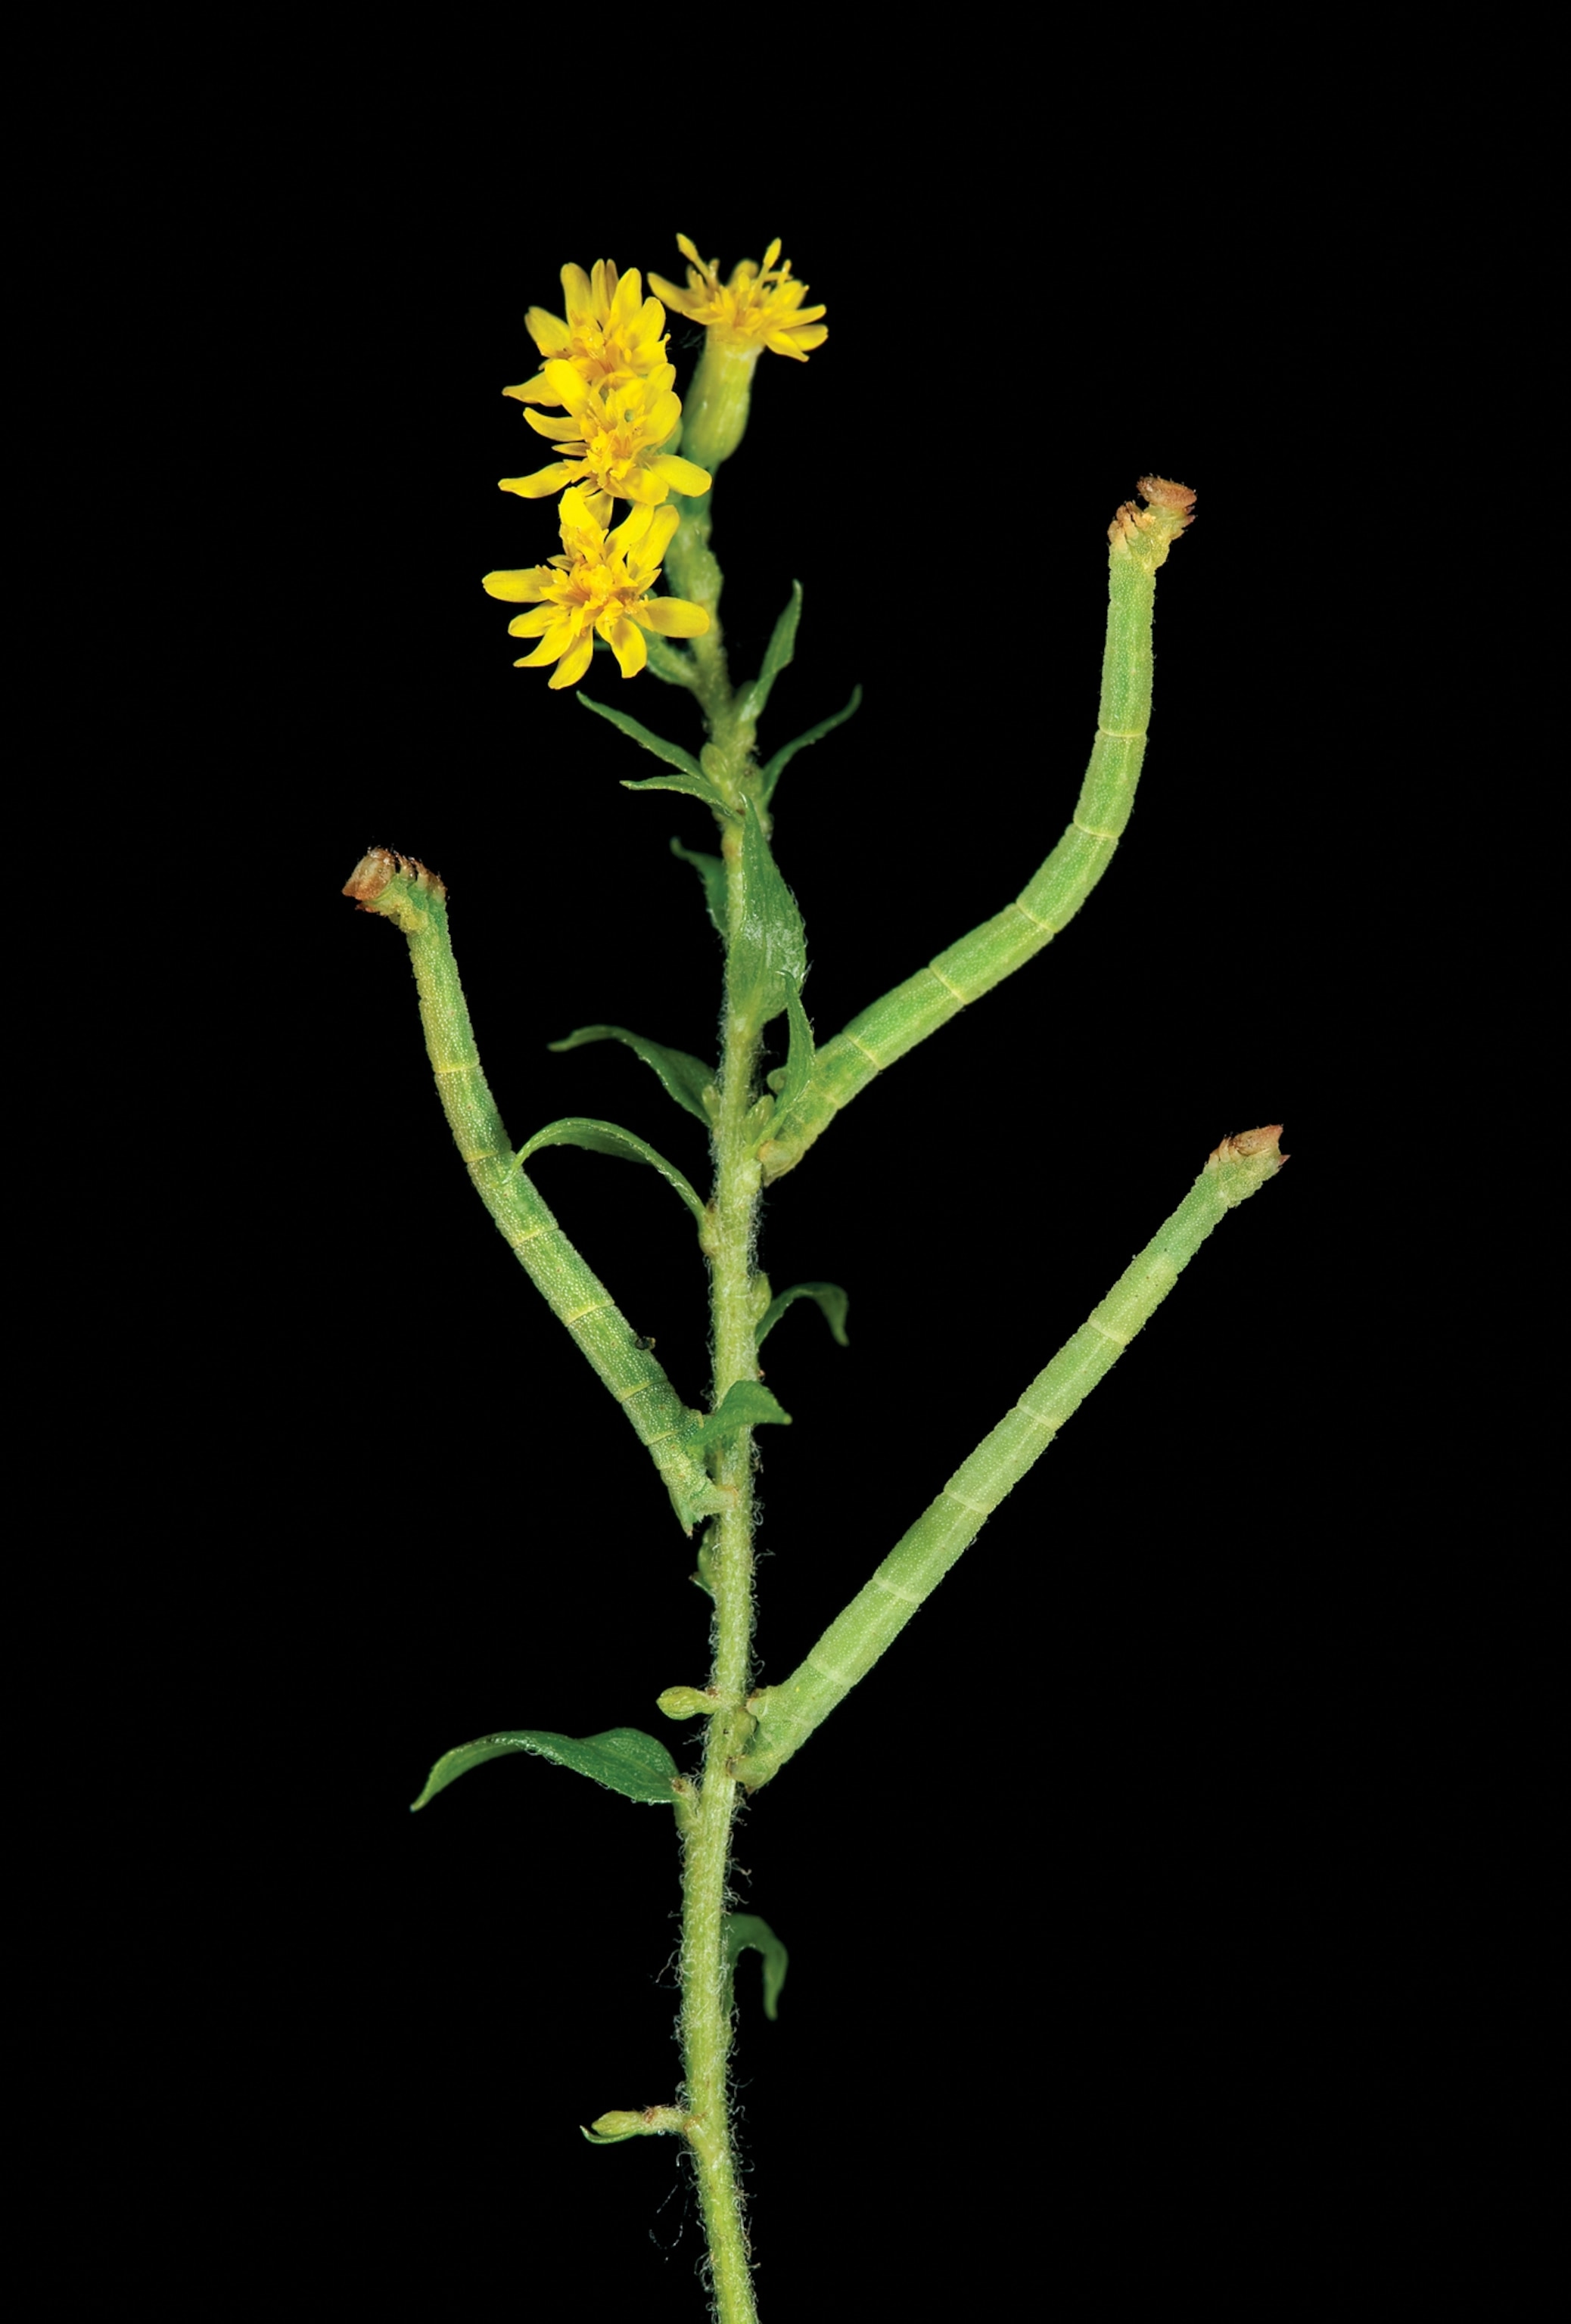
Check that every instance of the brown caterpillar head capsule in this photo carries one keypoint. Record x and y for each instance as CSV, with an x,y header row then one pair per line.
x,y
377,866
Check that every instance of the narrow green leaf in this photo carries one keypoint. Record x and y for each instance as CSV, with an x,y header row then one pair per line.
x,y
782,758
830,1298
683,1077
746,1403
671,753
744,1930
773,945
623,1759
697,785
712,873
781,648
611,2129
605,1137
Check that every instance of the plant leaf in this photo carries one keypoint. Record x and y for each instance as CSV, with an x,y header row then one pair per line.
x,y
697,785
778,657
605,1137
771,943
712,873
622,2123
623,1759
744,1930
830,1298
746,1403
683,1077
782,758
689,776
671,753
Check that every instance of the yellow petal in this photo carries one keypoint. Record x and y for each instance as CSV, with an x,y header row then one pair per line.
x,y
640,484
680,476
565,430
673,617
566,384
573,664
572,510
660,415
680,302
625,639
662,523
534,624
517,588
551,647
631,530
576,289
549,332
629,298
583,540
536,487
530,391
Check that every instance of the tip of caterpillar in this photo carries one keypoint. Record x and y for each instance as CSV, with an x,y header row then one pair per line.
x,y
1248,1143
377,867
1156,528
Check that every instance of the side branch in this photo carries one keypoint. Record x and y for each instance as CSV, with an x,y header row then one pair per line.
x,y
402,890
1140,538
787,1715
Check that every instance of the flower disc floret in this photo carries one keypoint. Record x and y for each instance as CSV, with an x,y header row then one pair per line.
x,y
759,304
611,336
599,585
610,440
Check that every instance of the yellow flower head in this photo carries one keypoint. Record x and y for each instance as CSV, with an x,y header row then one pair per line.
x,y
600,583
760,303
610,441
611,334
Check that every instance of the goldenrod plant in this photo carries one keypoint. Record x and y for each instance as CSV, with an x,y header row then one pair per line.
x,y
634,594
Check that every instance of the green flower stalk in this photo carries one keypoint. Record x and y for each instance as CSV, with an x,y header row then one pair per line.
x,y
604,366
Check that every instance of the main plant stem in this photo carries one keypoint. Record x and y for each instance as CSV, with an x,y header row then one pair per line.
x,y
728,1566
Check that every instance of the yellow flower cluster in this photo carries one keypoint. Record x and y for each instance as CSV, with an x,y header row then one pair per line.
x,y
610,336
610,441
600,583
759,302
604,366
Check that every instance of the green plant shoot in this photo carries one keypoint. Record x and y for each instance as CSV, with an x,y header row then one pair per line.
x,y
632,474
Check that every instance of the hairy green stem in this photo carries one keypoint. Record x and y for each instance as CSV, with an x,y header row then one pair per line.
x,y
789,1712
738,1299
756,1138
693,572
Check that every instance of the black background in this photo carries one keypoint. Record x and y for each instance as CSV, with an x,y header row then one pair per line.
x,y
1133,1903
